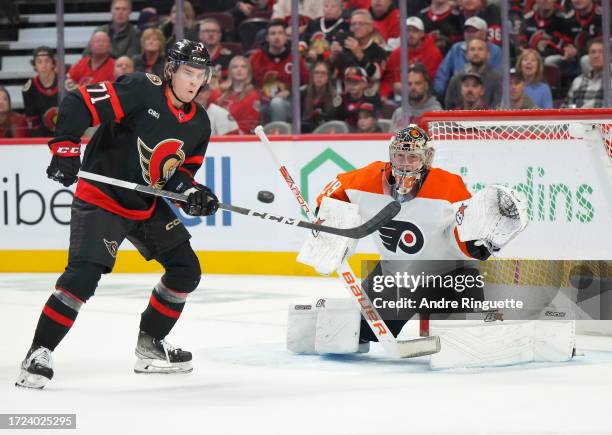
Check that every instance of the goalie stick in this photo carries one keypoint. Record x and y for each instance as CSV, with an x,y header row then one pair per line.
x,y
394,347
363,230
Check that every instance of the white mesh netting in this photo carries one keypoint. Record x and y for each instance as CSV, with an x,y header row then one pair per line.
x,y
537,125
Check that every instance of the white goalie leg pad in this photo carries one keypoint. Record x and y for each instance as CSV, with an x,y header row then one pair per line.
x,y
495,214
301,329
326,251
468,344
338,324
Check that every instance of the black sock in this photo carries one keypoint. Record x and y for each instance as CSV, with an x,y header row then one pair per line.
x,y
159,317
54,323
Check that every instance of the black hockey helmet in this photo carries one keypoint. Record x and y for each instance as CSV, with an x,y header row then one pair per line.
x,y
186,52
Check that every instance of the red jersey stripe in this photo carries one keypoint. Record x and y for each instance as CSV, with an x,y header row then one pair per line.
x,y
91,194
115,102
95,118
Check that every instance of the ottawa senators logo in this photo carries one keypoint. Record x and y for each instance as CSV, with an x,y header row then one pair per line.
x,y
50,118
112,247
160,162
403,235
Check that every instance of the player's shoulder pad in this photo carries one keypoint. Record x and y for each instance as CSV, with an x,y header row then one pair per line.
x,y
442,184
27,85
368,178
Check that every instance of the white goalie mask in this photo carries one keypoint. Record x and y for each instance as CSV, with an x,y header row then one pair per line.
x,y
410,156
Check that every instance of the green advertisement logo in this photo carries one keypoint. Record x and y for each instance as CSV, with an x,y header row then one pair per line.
x,y
549,202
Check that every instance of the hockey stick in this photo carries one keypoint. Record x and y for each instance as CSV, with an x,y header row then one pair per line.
x,y
384,216
394,347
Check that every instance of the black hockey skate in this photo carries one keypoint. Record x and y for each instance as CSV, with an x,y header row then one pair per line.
x,y
36,368
158,356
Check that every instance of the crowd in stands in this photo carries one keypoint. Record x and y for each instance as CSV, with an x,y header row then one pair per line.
x,y
349,64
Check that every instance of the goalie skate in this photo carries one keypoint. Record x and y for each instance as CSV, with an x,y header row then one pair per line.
x,y
36,368
158,356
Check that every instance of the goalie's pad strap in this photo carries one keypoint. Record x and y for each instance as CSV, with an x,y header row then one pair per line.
x,y
338,325
469,344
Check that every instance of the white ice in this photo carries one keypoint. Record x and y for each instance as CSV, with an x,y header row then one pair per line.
x,y
245,382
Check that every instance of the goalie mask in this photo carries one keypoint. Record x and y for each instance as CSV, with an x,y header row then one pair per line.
x,y
410,156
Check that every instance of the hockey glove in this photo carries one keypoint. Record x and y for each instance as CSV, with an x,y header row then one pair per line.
x,y
201,201
66,160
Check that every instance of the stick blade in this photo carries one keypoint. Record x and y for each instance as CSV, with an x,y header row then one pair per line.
x,y
418,347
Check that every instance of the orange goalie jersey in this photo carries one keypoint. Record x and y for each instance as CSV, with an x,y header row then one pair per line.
x,y
424,229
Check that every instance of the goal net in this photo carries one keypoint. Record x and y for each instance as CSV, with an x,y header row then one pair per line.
x,y
558,146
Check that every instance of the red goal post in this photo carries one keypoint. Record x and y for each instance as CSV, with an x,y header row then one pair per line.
x,y
531,125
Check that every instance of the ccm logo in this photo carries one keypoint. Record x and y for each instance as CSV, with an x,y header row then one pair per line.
x,y
76,150
172,224
153,113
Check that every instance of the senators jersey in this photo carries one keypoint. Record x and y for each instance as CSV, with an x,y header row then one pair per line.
x,y
142,139
40,106
424,229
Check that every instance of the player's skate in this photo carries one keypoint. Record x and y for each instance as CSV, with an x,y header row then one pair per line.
x,y
158,356
36,368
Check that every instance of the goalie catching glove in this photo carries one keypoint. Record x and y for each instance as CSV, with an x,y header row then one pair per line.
x,y
325,252
494,216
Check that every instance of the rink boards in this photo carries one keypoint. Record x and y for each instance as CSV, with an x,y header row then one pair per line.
x,y
566,184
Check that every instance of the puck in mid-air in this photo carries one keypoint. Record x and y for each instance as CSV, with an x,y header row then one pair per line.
x,y
265,196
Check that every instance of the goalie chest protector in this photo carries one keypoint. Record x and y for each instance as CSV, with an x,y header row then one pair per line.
x,y
424,229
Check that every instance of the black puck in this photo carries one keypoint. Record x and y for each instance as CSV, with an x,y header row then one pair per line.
x,y
265,196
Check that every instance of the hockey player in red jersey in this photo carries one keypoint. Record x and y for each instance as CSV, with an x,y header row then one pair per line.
x,y
150,132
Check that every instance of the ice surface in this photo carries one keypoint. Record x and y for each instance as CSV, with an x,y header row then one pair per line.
x,y
244,381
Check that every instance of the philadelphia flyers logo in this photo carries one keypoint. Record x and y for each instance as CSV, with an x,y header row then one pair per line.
x,y
159,163
403,235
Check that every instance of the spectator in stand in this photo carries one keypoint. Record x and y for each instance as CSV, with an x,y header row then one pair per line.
x,y
419,96
152,59
529,63
310,9
472,92
386,18
518,99
97,67
321,32
210,34
246,9
12,124
586,90
123,65
444,21
367,116
272,65
421,49
318,98
544,29
455,59
239,96
489,13
221,120
125,38
584,24
358,49
190,30
40,94
355,84
477,55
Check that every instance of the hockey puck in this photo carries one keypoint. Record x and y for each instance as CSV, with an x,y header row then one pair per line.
x,y
265,196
